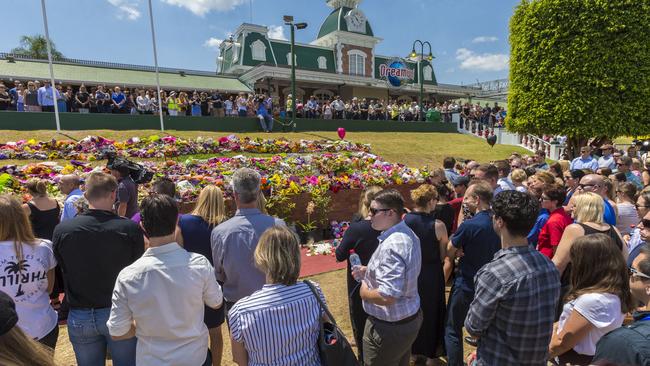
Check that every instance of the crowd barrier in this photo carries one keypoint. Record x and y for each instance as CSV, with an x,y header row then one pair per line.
x,y
23,121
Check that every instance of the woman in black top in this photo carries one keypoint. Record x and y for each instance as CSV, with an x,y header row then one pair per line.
x,y
443,210
362,238
43,211
82,99
5,98
431,282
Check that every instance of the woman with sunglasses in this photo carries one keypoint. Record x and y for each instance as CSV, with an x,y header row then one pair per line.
x,y
362,238
572,181
597,302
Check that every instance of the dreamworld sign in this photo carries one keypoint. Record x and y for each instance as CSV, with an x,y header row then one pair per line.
x,y
396,72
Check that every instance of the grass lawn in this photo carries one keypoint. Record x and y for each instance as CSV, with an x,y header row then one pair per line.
x,y
410,148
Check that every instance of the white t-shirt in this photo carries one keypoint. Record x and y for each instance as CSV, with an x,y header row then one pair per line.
x,y
603,311
28,287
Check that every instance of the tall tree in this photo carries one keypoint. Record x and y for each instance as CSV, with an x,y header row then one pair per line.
x,y
36,47
580,68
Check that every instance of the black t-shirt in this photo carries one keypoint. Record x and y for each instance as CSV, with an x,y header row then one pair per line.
x,y
217,101
83,98
91,250
5,99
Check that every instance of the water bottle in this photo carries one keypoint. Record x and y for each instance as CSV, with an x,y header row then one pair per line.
x,y
354,261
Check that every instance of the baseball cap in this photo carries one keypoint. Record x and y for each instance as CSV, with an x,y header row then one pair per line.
x,y
8,315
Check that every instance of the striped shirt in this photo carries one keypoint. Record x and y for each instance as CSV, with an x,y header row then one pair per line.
x,y
278,325
393,270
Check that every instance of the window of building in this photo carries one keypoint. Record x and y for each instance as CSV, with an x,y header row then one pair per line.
x,y
357,63
323,95
428,73
289,59
322,63
259,50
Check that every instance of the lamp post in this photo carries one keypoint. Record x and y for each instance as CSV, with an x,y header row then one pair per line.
x,y
288,20
420,76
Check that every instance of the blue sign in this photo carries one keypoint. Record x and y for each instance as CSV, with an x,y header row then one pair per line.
x,y
397,73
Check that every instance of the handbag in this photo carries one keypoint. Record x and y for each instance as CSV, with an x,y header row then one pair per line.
x,y
333,347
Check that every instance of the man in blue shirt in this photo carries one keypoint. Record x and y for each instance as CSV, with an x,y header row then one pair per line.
x,y
119,100
594,183
607,160
477,241
448,164
46,96
266,120
13,92
69,185
585,160
624,165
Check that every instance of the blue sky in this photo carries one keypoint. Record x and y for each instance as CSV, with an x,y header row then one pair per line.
x,y
469,37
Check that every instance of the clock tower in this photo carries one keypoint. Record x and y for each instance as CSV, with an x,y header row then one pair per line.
x,y
348,31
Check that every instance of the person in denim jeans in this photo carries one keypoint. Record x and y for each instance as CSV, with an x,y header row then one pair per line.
x,y
92,248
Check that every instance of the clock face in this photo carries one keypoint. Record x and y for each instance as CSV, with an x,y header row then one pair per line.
x,y
356,21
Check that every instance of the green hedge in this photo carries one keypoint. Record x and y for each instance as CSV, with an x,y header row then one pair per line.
x,y
77,121
580,68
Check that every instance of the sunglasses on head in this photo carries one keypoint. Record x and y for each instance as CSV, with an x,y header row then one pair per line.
x,y
635,272
374,211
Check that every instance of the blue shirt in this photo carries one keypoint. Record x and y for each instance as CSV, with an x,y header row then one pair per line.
x,y
46,96
479,242
632,178
580,163
261,109
233,244
607,162
118,98
196,235
69,209
451,175
609,215
533,235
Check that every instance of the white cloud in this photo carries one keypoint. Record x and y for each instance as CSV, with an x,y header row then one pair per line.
x,y
482,62
277,32
213,42
202,7
485,39
127,9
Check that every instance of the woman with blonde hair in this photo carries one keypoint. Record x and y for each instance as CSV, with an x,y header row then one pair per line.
x,y
362,238
16,347
28,269
588,215
597,302
195,229
283,301
431,281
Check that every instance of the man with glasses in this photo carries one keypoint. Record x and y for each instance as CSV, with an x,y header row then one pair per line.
x,y
624,165
594,183
607,160
628,345
585,160
389,286
477,241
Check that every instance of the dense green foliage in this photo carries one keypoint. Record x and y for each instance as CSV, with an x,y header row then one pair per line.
x,y
580,68
36,47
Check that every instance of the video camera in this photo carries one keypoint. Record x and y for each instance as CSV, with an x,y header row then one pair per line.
x,y
137,172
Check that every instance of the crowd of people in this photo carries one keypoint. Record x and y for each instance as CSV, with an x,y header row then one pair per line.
x,y
546,263
37,96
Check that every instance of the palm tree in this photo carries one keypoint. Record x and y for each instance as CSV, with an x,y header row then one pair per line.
x,y
16,267
36,47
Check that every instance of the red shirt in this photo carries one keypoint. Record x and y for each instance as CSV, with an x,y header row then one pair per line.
x,y
456,204
551,233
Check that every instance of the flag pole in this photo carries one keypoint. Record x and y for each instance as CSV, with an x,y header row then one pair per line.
x,y
49,61
155,60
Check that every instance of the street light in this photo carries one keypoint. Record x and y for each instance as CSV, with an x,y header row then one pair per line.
x,y
420,76
288,20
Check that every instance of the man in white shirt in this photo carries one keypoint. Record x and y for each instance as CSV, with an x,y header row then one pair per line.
x,y
159,298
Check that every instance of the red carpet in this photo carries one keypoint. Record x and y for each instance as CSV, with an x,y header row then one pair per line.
x,y
317,264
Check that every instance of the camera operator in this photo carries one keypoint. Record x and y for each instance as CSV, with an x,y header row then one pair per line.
x,y
126,202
